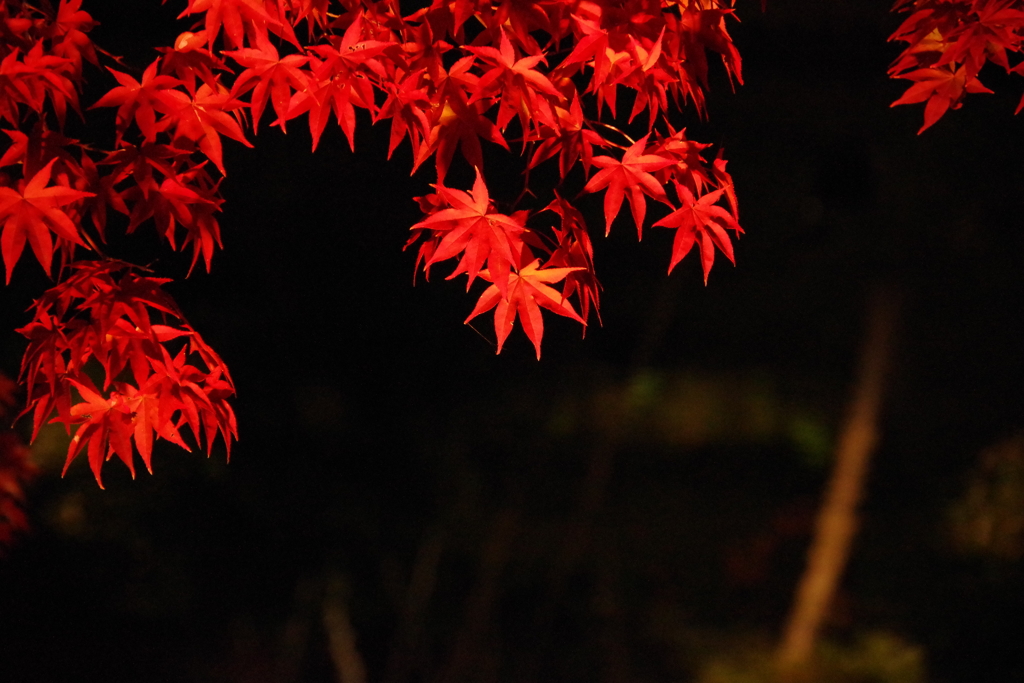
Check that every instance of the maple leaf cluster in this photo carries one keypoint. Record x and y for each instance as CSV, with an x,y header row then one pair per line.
x,y
99,319
948,43
453,79
16,470
160,175
457,75
95,361
461,74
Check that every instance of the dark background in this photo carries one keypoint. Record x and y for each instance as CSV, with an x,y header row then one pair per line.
x,y
378,432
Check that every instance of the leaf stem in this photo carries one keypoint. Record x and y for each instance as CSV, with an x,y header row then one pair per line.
x,y
612,128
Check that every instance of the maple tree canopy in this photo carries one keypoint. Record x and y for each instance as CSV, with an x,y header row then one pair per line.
x,y
585,86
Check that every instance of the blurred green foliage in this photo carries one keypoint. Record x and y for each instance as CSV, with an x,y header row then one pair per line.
x,y
871,656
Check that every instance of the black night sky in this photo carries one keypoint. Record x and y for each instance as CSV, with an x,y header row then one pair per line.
x,y
396,472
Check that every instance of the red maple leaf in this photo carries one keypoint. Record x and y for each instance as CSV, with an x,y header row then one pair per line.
x,y
190,60
406,105
270,77
31,214
105,427
650,80
455,123
37,76
632,173
470,226
594,48
68,30
563,133
135,100
943,88
525,294
700,222
515,83
204,118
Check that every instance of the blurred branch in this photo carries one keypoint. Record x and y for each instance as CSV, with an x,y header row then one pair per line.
x,y
341,636
296,635
836,523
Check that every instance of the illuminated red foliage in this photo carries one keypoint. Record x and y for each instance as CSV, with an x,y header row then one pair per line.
x,y
948,43
110,355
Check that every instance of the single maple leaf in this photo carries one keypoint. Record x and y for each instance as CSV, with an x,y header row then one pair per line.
x,y
270,77
204,118
70,18
105,428
593,48
315,12
632,173
515,83
31,214
68,34
189,198
472,228
701,222
455,123
407,104
689,166
140,162
522,19
43,367
563,133
943,88
134,100
191,61
38,148
648,77
44,75
525,294
105,194
923,52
